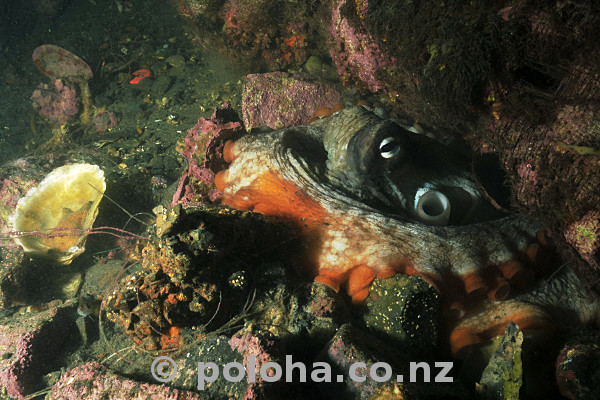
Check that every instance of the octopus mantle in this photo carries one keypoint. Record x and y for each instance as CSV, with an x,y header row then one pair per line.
x,y
372,198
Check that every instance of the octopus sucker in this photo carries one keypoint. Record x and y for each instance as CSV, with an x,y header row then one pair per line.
x,y
371,198
229,151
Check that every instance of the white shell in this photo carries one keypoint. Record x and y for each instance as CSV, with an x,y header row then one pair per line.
x,y
67,198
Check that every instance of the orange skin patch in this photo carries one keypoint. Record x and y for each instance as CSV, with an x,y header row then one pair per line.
x,y
273,196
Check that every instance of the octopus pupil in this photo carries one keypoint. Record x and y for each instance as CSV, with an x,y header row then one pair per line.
x,y
389,147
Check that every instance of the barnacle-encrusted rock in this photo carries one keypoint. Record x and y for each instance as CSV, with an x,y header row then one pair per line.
x,y
577,372
354,355
503,377
405,308
58,212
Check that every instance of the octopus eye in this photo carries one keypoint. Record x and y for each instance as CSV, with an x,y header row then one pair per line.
x,y
389,147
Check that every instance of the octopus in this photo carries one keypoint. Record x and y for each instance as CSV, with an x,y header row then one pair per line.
x,y
371,197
